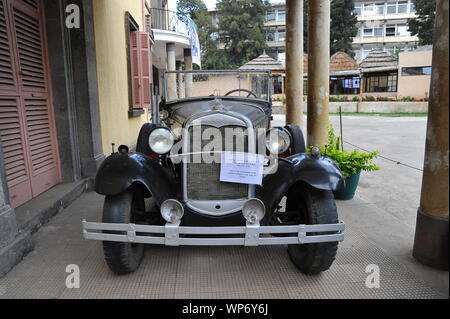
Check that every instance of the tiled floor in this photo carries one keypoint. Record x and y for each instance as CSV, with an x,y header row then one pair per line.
x,y
201,272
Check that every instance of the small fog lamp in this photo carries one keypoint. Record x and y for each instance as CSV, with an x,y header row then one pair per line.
x,y
254,210
172,210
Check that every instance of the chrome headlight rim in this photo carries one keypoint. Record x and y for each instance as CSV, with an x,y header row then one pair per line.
x,y
165,137
282,134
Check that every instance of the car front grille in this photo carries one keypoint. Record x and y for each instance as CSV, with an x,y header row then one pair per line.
x,y
203,179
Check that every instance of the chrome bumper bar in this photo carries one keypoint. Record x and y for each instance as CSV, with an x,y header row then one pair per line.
x,y
169,234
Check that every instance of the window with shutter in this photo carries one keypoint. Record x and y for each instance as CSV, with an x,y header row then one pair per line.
x,y
140,58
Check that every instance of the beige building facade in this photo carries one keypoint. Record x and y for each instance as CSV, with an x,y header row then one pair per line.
x,y
415,73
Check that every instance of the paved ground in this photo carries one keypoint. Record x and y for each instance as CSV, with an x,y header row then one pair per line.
x,y
380,229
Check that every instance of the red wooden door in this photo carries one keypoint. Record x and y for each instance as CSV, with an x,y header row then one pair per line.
x,y
27,124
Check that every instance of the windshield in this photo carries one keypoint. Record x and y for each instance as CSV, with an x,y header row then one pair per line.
x,y
191,84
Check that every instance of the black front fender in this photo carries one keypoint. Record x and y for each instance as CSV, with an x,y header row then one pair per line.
x,y
120,171
321,173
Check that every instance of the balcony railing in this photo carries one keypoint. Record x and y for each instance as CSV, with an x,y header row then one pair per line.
x,y
167,20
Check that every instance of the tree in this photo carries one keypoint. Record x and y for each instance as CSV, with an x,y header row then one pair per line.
x,y
241,29
342,26
423,25
198,12
190,8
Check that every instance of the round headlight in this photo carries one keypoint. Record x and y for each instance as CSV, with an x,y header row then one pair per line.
x,y
278,140
161,140
164,115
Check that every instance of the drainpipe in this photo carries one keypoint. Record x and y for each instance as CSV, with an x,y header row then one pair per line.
x,y
294,62
188,76
431,238
171,77
318,71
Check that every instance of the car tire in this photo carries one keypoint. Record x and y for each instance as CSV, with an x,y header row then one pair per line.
x,y
314,206
142,141
121,257
298,141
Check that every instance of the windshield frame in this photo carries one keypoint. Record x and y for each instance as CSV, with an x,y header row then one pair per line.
x,y
238,72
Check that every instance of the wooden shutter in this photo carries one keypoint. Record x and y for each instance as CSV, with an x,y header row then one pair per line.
x,y
14,153
41,144
135,69
27,125
29,46
140,69
7,69
146,68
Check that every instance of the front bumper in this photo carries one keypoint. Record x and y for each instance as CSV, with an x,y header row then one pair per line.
x,y
249,235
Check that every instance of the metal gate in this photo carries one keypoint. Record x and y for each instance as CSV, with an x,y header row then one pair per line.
x,y
27,126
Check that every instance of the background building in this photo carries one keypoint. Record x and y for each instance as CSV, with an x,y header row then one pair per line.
x,y
415,73
383,25
276,30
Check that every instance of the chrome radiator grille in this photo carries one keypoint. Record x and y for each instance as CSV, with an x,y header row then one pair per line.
x,y
203,179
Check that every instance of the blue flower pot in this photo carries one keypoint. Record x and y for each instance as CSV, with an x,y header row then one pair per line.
x,y
349,191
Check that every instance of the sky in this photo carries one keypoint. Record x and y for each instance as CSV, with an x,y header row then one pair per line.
x,y
211,4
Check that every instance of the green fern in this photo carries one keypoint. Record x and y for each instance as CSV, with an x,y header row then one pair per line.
x,y
349,162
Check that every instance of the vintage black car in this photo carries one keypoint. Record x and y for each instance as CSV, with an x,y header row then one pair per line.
x,y
210,170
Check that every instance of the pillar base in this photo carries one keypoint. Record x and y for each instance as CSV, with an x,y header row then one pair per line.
x,y
8,225
431,241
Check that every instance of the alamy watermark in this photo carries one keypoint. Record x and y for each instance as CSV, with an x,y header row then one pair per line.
x,y
206,144
373,279
73,279
73,18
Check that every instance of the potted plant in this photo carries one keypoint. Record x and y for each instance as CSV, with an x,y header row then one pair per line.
x,y
350,163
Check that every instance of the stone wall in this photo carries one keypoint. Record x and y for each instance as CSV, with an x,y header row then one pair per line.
x,y
368,107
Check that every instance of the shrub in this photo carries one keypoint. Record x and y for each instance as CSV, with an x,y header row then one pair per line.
x,y
369,98
355,99
407,99
349,162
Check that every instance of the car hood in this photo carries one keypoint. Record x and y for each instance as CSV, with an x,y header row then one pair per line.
x,y
256,111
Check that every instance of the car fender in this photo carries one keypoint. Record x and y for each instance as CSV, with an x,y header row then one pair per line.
x,y
320,172
120,170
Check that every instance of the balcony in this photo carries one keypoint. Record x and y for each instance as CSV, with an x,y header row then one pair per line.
x,y
168,27
393,16
384,39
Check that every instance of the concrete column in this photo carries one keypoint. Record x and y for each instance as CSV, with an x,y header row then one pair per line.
x,y
171,77
432,229
294,62
188,76
180,80
318,71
